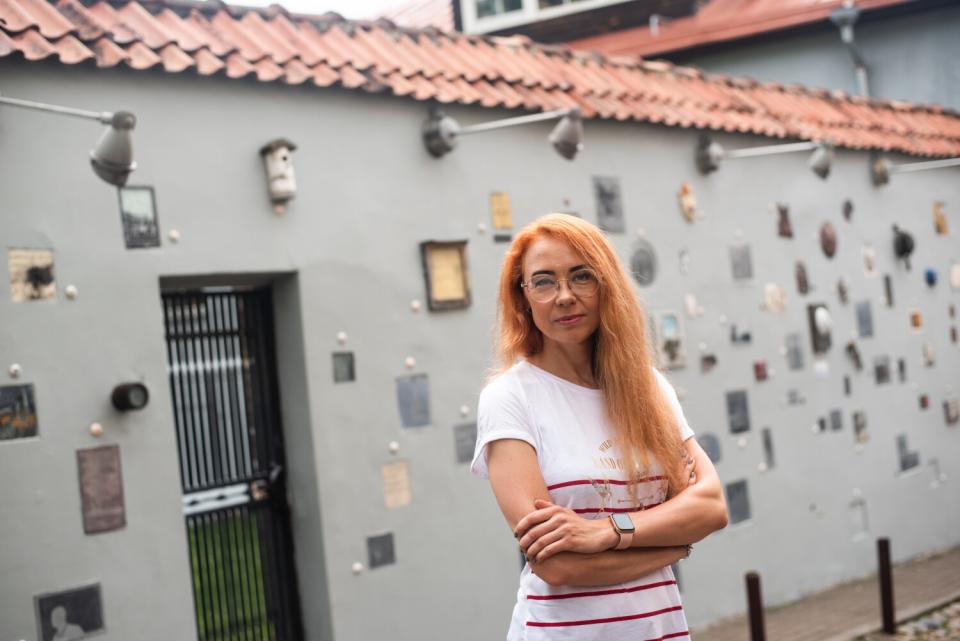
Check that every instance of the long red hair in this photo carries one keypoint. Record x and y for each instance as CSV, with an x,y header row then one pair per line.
x,y
643,422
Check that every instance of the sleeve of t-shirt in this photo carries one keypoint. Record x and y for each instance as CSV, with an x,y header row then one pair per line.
x,y
671,396
501,413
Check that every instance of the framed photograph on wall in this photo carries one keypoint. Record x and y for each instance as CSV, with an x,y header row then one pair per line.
x,y
445,274
670,340
76,613
138,213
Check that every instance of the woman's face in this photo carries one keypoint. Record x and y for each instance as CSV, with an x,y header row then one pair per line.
x,y
568,317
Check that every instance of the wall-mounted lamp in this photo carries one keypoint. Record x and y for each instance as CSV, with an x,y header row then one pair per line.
x,y
710,154
440,132
112,157
881,168
279,165
130,396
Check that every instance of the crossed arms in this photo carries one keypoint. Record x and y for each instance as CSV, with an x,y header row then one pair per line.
x,y
566,549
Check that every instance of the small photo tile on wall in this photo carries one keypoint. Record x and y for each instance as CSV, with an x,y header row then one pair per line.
x,y
18,412
711,446
924,401
670,340
707,362
738,413
760,370
69,614
836,420
908,459
859,525
606,190
464,440
888,290
881,369
413,400
31,275
767,437
951,410
380,550
916,320
860,433
738,501
794,348
902,370
343,367
741,262
138,213
864,319
643,262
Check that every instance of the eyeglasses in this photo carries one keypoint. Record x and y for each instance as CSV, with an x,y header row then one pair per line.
x,y
543,288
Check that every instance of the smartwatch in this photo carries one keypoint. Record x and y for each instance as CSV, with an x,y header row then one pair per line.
x,y
623,524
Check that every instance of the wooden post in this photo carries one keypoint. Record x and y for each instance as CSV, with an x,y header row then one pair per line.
x,y
886,586
755,607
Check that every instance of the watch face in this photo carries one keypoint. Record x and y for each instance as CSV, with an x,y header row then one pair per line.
x,y
623,522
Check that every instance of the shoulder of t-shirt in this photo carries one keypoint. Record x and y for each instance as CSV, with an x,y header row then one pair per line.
x,y
506,387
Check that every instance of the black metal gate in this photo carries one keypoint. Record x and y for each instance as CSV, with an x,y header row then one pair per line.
x,y
225,399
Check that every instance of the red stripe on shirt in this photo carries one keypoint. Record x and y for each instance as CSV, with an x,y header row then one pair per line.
x,y
574,595
672,635
600,510
648,479
628,617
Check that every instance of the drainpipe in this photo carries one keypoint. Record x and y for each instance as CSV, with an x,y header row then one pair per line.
x,y
845,17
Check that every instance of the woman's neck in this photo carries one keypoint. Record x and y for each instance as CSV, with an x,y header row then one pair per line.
x,y
572,363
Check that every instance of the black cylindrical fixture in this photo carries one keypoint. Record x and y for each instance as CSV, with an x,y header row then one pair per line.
x,y
755,607
130,396
886,586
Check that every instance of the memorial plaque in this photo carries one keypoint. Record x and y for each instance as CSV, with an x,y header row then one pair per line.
x,y
643,262
860,434
465,440
396,484
343,367
741,262
70,614
738,501
711,446
767,437
908,459
413,399
445,273
500,210
738,414
380,550
18,412
101,489
864,319
670,340
794,351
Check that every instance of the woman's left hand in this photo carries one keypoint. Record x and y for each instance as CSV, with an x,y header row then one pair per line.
x,y
550,529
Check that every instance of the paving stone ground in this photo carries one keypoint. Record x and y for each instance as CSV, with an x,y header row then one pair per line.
x,y
851,610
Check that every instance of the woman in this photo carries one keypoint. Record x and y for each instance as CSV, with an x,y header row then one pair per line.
x,y
580,437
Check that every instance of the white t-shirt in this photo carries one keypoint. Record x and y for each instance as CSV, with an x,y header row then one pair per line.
x,y
566,425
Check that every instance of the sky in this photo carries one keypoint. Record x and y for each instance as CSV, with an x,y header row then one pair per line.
x,y
346,8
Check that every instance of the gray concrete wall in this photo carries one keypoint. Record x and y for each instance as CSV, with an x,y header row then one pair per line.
x,y
345,257
912,57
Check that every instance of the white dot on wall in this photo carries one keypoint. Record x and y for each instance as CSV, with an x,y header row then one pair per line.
x,y
410,362
174,236
738,234
464,410
856,492
14,370
481,228
771,372
742,442
815,428
70,291
761,466
414,305
394,447
858,448
96,429
640,231
702,346
356,568
341,337
722,319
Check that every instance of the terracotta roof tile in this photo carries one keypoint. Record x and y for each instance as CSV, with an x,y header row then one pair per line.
x,y
427,64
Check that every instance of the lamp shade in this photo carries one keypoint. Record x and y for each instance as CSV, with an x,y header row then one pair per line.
x,y
440,134
821,160
709,154
567,135
112,157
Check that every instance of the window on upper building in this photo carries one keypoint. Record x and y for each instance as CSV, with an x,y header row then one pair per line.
x,y
496,7
546,4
